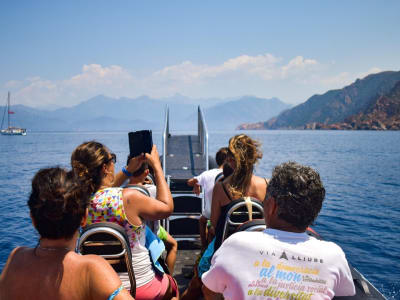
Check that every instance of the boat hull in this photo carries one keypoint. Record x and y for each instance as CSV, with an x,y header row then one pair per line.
x,y
13,131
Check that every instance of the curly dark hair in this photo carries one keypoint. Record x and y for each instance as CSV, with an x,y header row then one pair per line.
x,y
87,162
57,203
298,192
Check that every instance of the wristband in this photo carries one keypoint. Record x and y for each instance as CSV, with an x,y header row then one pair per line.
x,y
209,225
126,172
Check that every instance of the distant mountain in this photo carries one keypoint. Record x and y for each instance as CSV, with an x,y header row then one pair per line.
x,y
334,106
229,114
102,113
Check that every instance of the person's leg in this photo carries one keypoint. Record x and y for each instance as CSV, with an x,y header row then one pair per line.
x,y
172,248
203,232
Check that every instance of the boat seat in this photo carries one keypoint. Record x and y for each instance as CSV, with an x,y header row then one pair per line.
x,y
150,179
238,212
110,241
139,188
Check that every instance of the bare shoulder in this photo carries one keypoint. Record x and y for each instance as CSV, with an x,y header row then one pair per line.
x,y
218,189
259,187
93,261
128,193
260,181
97,267
101,277
18,254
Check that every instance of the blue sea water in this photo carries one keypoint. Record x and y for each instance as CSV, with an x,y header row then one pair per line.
x,y
360,170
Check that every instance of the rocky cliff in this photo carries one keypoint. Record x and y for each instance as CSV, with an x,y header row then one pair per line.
x,y
369,103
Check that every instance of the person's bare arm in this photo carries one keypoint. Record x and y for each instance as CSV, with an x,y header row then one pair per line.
x,y
103,281
133,165
195,184
136,204
192,181
215,203
163,192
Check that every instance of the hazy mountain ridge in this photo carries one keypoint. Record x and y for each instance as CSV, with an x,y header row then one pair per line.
x,y
335,106
105,113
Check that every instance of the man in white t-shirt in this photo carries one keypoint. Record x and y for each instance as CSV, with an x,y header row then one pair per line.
x,y
282,262
207,180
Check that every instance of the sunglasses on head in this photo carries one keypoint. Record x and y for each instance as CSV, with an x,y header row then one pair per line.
x,y
113,158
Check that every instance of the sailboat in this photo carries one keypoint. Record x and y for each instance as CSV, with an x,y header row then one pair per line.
x,y
10,130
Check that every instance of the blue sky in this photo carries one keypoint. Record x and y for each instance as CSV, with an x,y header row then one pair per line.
x,y
64,52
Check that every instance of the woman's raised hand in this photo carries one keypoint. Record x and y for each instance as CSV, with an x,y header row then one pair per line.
x,y
153,158
135,163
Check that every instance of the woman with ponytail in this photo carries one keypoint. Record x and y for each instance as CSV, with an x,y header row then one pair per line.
x,y
52,270
243,154
93,164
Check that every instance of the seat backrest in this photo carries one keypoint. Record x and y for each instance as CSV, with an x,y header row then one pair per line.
x,y
238,212
150,179
110,241
253,225
139,188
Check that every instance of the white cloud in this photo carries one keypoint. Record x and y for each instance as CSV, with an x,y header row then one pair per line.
x,y
188,72
298,65
263,75
373,70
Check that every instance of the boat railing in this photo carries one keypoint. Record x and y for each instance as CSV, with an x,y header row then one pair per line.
x,y
165,138
202,133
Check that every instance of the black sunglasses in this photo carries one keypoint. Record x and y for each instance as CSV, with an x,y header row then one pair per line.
x,y
113,158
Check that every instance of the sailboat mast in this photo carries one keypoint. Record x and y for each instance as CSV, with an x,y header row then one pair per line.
x,y
8,106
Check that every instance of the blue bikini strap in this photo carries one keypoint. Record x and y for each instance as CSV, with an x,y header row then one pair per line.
x,y
115,293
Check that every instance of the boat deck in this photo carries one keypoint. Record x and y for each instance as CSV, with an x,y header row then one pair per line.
x,y
184,157
188,252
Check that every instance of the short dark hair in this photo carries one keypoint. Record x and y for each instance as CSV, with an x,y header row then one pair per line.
x,y
298,192
220,157
139,171
57,203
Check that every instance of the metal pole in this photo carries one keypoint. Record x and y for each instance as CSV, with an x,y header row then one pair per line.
x,y
8,112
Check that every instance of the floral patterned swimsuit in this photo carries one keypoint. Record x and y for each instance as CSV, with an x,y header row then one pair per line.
x,y
106,205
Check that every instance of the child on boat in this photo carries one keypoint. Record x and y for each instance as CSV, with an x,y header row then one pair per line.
x,y
206,180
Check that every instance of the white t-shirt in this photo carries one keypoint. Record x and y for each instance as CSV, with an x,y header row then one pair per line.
x,y
276,264
207,181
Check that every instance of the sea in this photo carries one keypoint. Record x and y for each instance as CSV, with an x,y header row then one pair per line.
x,y
360,171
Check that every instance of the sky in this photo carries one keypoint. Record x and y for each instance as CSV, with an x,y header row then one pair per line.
x,y
60,53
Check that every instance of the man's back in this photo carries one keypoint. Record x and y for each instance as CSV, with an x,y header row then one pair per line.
x,y
278,264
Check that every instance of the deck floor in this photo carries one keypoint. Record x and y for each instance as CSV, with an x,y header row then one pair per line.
x,y
184,157
188,252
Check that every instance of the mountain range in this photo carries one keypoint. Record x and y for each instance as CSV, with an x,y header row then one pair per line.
x,y
369,103
102,113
